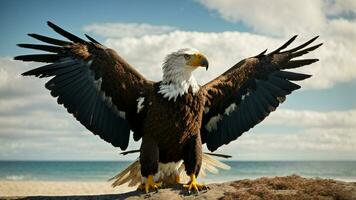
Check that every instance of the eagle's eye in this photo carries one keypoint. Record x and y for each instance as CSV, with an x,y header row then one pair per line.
x,y
187,56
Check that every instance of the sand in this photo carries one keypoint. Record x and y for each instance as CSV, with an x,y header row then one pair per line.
x,y
289,187
35,188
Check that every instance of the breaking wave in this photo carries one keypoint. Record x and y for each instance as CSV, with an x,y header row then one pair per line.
x,y
15,178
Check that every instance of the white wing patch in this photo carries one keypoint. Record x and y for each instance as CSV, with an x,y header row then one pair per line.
x,y
122,114
107,99
206,110
140,105
230,109
212,124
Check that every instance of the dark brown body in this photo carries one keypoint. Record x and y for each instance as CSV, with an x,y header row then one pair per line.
x,y
171,131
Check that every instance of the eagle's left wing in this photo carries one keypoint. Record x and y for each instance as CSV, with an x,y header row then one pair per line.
x,y
245,94
98,87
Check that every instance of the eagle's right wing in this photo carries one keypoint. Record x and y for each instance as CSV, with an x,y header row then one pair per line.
x,y
93,83
248,92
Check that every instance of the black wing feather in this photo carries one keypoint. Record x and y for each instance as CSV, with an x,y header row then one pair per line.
x,y
285,45
46,58
298,63
293,76
49,40
91,39
303,45
53,49
66,34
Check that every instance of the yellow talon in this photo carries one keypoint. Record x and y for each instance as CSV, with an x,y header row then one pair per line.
x,y
151,184
194,184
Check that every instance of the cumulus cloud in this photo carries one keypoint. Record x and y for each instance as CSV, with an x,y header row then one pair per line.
x,y
315,143
274,18
283,17
307,118
12,84
64,145
126,29
345,7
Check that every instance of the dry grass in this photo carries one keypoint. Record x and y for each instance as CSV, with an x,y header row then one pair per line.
x,y
292,187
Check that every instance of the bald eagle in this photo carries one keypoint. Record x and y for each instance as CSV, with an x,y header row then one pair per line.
x,y
175,116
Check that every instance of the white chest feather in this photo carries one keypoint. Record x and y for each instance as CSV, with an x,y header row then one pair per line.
x,y
173,90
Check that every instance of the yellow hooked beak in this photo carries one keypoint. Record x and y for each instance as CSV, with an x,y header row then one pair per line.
x,y
197,60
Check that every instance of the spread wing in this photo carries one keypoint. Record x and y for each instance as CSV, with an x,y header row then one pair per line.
x,y
92,82
245,94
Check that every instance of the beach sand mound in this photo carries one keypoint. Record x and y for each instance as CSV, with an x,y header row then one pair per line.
x,y
289,187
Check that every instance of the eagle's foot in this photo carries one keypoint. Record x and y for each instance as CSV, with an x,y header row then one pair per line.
x,y
150,184
193,184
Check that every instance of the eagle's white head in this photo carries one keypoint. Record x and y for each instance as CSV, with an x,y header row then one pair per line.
x,y
177,72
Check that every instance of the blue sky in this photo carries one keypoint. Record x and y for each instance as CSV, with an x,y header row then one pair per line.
x,y
28,16
315,123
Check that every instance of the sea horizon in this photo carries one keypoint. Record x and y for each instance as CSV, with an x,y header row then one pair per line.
x,y
89,170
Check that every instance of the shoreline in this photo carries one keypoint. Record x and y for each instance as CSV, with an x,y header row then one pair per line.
x,y
285,187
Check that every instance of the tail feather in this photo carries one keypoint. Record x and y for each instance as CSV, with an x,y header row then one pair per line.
x,y
208,167
132,174
215,162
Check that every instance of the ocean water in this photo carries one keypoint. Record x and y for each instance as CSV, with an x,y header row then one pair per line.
x,y
103,170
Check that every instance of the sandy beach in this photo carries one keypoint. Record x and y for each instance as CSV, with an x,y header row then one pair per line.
x,y
57,188
288,187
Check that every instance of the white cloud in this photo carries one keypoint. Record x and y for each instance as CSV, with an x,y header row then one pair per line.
x,y
278,17
126,29
343,7
12,84
315,144
307,118
281,17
